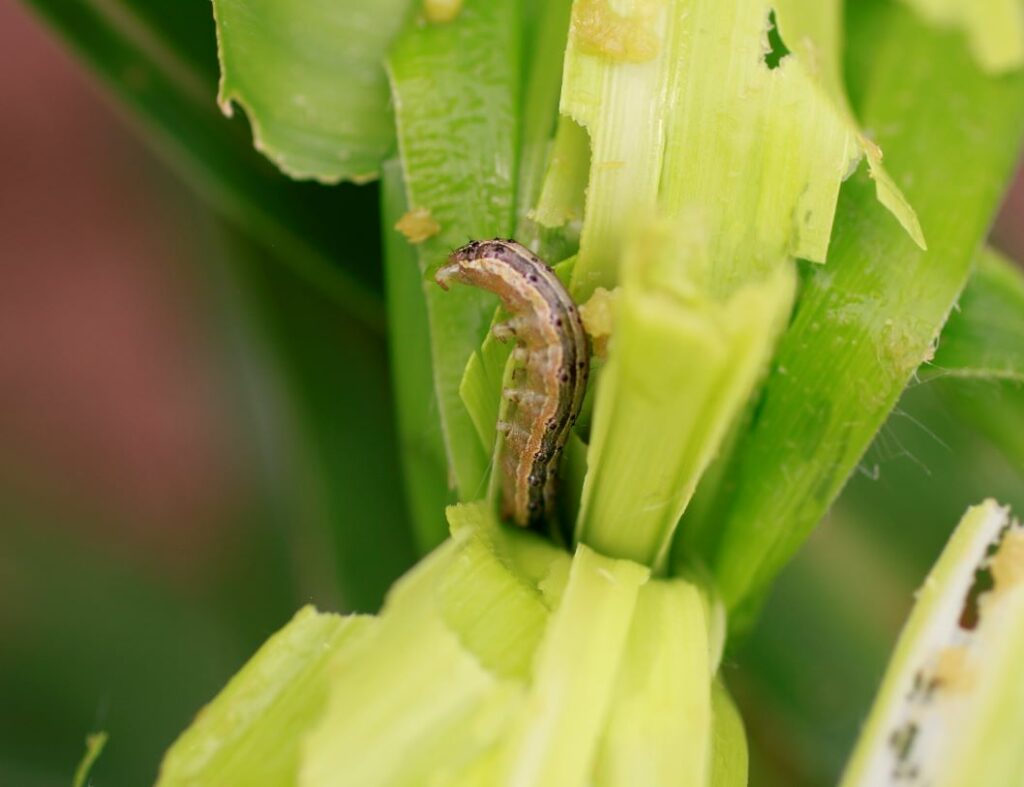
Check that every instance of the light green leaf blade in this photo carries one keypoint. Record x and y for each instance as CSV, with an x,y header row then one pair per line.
x,y
984,337
443,673
864,322
660,719
994,28
756,153
498,614
553,169
480,389
311,78
424,463
543,50
814,31
765,173
950,710
729,757
681,367
408,688
562,197
554,738
456,91
620,105
979,364
251,732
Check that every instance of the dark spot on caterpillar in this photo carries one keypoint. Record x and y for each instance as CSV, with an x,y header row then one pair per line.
x,y
558,322
565,377
533,277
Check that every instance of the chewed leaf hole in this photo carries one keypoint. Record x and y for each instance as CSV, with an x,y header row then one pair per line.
x,y
775,47
902,740
970,614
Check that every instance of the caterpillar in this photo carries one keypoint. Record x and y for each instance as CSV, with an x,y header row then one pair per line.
x,y
552,358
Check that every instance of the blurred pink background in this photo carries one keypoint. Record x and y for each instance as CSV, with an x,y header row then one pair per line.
x,y
111,400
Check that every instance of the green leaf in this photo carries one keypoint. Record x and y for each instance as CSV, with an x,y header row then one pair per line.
x,y
444,673
563,195
159,58
311,78
729,758
498,614
995,408
814,30
950,710
756,154
334,445
555,737
979,364
424,464
553,169
865,321
456,90
984,337
994,28
853,583
659,722
252,731
543,50
482,381
410,700
681,366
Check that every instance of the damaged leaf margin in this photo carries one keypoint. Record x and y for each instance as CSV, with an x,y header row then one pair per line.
x,y
951,705
310,77
758,152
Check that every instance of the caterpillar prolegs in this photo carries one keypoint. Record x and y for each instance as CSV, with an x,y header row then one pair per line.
x,y
553,361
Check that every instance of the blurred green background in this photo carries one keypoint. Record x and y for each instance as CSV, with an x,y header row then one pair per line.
x,y
188,431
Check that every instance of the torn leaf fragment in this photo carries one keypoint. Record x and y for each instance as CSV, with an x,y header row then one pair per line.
x,y
951,707
707,126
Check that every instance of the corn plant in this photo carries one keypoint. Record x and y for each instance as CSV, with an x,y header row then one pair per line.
x,y
758,287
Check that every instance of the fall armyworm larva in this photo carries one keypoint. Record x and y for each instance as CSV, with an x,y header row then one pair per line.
x,y
548,388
